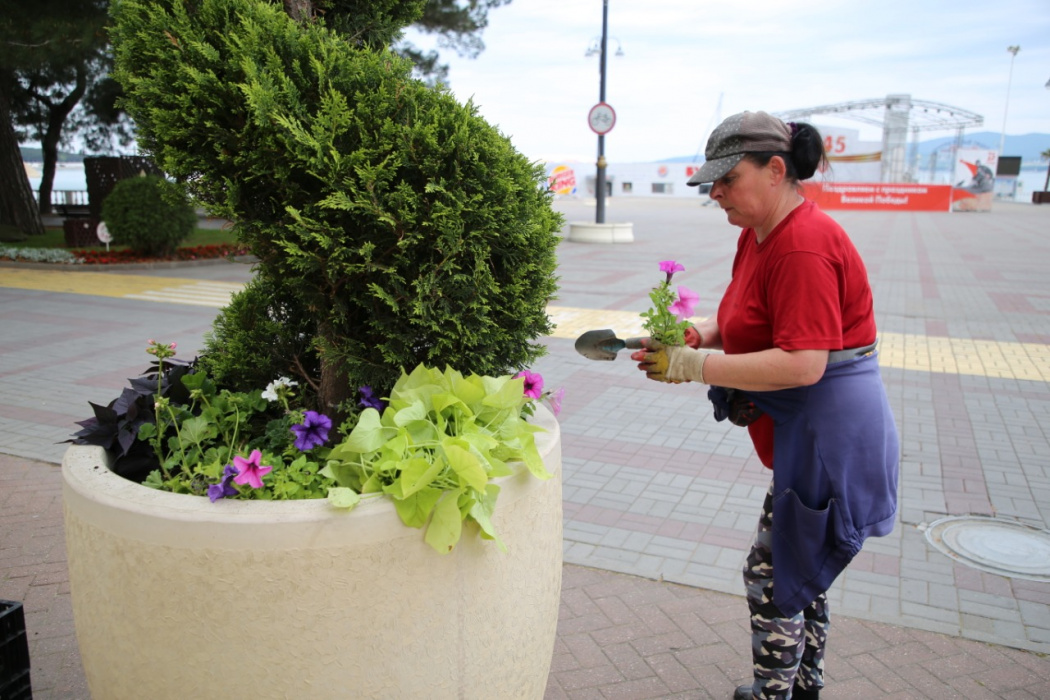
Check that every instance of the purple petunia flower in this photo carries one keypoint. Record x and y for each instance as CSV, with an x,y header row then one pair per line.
x,y
369,399
533,383
224,488
313,431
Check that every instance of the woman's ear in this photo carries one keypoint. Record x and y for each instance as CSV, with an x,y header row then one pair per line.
x,y
777,169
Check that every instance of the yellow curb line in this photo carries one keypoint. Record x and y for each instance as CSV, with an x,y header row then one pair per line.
x,y
918,353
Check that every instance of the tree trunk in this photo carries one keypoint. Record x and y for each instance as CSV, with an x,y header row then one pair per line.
x,y
335,385
17,207
299,10
56,119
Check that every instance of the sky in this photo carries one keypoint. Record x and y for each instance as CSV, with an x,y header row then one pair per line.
x,y
687,64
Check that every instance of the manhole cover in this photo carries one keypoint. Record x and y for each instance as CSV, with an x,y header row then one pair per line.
x,y
998,546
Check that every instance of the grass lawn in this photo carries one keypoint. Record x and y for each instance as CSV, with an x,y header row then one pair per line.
x,y
54,237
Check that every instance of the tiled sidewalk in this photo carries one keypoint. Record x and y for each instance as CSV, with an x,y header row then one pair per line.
x,y
654,487
619,636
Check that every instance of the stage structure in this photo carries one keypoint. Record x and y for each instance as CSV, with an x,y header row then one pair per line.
x,y
896,114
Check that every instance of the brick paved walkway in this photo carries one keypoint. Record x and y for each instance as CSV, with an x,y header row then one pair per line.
x,y
660,500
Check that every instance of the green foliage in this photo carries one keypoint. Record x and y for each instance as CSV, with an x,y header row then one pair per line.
x,y
435,449
661,324
258,336
399,222
369,23
194,441
148,214
664,320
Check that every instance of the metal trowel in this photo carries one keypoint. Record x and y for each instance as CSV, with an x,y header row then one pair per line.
x,y
603,344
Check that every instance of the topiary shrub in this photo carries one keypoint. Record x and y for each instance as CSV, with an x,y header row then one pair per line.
x,y
260,335
402,227
148,214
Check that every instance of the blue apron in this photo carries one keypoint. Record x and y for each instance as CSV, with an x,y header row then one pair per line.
x,y
835,471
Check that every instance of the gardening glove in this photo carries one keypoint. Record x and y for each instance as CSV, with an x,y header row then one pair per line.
x,y
673,364
692,337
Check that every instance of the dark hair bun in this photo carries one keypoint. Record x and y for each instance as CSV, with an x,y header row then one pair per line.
x,y
807,150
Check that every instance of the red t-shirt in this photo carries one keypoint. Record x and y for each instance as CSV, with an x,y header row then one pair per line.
x,y
803,288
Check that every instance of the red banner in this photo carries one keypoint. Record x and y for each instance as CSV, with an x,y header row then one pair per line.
x,y
883,196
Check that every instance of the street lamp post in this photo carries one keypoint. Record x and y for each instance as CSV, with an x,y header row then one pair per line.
x,y
599,180
1013,54
601,119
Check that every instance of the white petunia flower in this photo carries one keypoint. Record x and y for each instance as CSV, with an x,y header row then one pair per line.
x,y
277,384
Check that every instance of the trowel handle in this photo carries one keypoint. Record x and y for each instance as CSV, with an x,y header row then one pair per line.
x,y
634,343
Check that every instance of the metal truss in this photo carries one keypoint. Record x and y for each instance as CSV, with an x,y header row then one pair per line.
x,y
923,115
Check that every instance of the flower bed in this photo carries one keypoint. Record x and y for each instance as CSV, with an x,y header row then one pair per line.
x,y
85,256
200,252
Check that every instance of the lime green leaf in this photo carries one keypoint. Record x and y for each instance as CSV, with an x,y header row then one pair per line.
x,y
482,510
468,389
508,396
531,457
369,434
443,400
446,524
415,411
372,484
417,473
343,497
343,473
415,509
498,468
465,464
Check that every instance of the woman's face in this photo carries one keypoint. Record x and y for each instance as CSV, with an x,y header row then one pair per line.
x,y
747,194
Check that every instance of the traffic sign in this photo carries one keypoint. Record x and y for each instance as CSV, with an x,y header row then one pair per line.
x,y
601,118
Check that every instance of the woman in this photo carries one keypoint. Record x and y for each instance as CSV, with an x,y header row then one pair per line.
x,y
799,368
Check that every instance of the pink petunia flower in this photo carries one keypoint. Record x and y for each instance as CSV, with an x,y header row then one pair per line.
x,y
533,383
249,470
554,400
686,304
671,267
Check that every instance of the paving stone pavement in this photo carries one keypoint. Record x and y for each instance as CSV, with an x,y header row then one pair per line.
x,y
660,500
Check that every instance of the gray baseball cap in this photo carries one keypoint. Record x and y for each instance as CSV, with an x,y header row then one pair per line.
x,y
747,132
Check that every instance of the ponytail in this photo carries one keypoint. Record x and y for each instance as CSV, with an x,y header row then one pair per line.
x,y
807,150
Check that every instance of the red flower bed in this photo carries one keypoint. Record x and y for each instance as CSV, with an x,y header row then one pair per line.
x,y
201,252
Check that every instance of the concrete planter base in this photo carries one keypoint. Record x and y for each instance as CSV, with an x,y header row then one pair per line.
x,y
583,232
177,597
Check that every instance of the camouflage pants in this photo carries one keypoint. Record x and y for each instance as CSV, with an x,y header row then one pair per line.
x,y
785,650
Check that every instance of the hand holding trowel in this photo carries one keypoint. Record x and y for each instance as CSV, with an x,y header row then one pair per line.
x,y
603,344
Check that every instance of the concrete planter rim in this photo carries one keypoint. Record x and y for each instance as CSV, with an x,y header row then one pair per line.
x,y
88,478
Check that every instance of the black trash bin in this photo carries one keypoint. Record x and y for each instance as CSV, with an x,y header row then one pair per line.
x,y
14,653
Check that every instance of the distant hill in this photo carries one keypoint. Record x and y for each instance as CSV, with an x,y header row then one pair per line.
x,y
36,155
1028,146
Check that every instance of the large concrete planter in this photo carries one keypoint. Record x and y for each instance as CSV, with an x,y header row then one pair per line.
x,y
177,597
